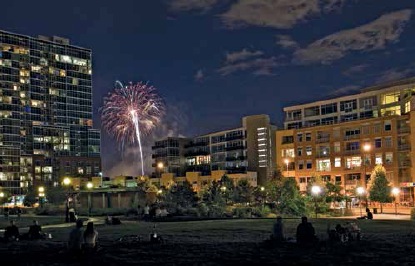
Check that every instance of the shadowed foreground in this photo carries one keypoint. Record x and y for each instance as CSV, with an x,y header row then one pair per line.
x,y
222,242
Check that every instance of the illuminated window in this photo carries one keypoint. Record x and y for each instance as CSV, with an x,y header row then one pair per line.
x,y
388,157
394,110
353,162
378,158
288,153
407,107
308,151
390,98
337,162
323,165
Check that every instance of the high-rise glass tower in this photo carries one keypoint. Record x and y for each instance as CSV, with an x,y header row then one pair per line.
x,y
46,128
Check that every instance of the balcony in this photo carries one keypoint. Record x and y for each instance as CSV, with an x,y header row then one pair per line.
x,y
351,137
158,147
323,140
241,169
154,156
196,144
232,148
404,163
295,118
234,137
322,155
351,152
196,153
404,147
239,158
352,182
404,130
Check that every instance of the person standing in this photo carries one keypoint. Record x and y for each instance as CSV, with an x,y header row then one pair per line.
x,y
90,237
76,238
278,231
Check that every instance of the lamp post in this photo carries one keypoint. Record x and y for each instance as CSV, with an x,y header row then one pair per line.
x,y
366,149
395,192
89,186
286,161
160,166
67,182
360,191
315,190
41,191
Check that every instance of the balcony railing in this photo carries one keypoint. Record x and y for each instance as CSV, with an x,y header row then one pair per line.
x,y
405,163
239,158
232,148
196,144
322,155
323,140
196,153
351,137
351,152
404,147
404,130
234,137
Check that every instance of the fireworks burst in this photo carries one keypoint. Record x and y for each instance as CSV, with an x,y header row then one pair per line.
x,y
130,111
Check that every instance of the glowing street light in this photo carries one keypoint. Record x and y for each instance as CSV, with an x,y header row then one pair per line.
x,y
360,191
262,188
160,166
286,161
395,192
1,194
67,182
89,186
315,190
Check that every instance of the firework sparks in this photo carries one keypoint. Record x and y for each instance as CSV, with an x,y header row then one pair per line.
x,y
130,111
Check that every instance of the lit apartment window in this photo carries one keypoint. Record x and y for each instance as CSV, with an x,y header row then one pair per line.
x,y
353,162
308,151
337,162
378,158
323,165
388,157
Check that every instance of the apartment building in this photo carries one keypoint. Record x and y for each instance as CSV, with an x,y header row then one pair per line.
x,y
249,148
342,139
46,129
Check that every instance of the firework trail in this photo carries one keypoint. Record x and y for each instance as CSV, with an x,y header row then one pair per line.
x,y
130,111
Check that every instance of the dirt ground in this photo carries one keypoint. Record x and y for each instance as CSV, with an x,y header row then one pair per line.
x,y
223,242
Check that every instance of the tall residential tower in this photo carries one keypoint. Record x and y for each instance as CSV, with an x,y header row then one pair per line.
x,y
46,128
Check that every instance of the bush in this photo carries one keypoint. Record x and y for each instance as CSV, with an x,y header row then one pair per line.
x,y
261,211
242,212
203,210
216,211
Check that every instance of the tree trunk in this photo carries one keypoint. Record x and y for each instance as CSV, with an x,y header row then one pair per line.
x,y
381,207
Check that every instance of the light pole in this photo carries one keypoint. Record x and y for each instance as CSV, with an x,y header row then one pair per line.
x,y
360,191
315,190
41,191
89,186
395,192
67,182
366,149
286,161
160,166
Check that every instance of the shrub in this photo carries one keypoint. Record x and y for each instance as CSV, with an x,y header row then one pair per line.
x,y
412,214
203,210
216,211
242,212
261,211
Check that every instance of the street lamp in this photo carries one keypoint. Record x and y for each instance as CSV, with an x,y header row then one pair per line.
x,y
89,186
41,191
360,191
160,166
286,161
315,190
67,182
366,149
395,192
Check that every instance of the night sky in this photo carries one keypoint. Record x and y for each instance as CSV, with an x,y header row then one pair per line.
x,y
215,61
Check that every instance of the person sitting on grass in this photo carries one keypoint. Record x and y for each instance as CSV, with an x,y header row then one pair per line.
x,y
35,231
369,214
75,238
12,232
90,237
278,231
306,234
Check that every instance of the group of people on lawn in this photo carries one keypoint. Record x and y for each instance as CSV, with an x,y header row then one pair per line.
x,y
306,235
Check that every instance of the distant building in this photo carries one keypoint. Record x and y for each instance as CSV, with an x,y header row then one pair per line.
x,y
249,148
46,129
342,139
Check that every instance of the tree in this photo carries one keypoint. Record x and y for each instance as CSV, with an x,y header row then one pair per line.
x,y
290,200
180,196
379,186
30,197
320,200
334,192
227,188
243,192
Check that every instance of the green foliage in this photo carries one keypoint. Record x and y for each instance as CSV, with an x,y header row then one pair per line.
x,y
213,194
180,196
242,212
30,197
380,189
290,202
413,214
227,188
56,195
243,192
333,192
261,211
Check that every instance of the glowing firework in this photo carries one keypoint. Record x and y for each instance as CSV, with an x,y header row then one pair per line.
x,y
130,111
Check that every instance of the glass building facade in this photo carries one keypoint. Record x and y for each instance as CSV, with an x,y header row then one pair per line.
x,y
46,130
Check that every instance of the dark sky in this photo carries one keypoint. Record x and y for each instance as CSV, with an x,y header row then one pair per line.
x,y
214,61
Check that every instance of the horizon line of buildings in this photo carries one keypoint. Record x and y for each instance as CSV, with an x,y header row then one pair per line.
x,y
46,130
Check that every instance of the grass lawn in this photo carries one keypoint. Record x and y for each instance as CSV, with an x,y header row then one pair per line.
x,y
27,220
227,242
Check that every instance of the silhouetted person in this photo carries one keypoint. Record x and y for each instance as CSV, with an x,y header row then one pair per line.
x,y
35,231
90,237
76,238
278,231
12,232
305,232
369,214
